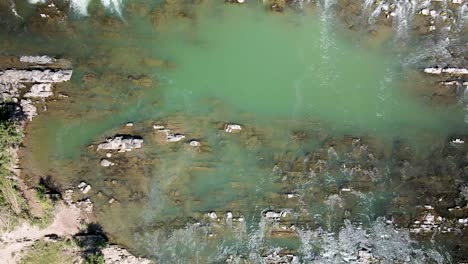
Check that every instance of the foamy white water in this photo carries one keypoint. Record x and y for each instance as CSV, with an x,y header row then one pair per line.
x,y
465,102
462,15
377,11
113,5
403,16
80,7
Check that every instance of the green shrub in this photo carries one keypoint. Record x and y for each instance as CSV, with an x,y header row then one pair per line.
x,y
96,258
49,252
11,202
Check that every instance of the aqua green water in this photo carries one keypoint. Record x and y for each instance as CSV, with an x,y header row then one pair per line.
x,y
276,74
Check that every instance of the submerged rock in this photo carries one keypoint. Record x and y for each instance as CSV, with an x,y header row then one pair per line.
x,y
121,143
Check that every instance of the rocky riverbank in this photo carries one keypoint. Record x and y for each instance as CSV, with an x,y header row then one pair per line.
x,y
31,81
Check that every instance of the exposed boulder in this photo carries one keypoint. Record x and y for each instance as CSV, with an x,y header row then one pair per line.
x,y
213,216
158,127
106,163
121,143
274,215
174,137
457,142
232,128
195,143
84,187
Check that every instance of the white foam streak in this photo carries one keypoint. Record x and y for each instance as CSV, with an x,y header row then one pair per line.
x,y
465,102
404,12
113,5
462,15
368,4
80,7
377,11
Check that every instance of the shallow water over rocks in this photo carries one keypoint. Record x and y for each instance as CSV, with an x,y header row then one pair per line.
x,y
339,139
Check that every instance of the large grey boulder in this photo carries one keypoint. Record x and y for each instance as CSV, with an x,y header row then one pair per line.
x,y
121,143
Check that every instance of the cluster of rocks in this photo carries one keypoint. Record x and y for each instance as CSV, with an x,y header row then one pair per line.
x,y
126,143
276,215
121,143
228,217
430,221
445,15
84,187
35,75
84,204
278,258
116,255
171,137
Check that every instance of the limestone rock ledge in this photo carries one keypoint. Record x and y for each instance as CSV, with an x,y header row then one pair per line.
x,y
35,76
